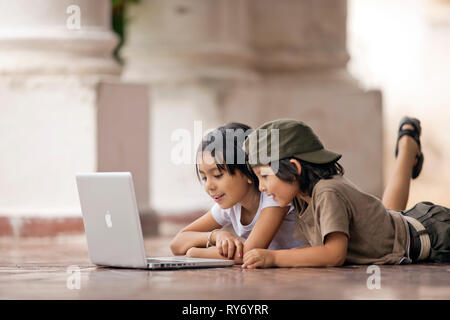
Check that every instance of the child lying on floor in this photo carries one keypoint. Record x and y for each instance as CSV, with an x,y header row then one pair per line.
x,y
341,223
256,218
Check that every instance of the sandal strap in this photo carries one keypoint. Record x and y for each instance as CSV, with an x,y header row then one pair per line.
x,y
412,134
411,121
415,134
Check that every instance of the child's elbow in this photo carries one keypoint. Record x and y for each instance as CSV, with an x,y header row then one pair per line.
x,y
337,261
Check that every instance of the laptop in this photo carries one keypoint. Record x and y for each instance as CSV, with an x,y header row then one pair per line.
x,y
113,228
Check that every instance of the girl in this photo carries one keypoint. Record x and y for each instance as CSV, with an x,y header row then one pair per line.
x,y
342,223
255,217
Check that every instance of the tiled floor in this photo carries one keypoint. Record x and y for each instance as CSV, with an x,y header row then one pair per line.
x,y
38,268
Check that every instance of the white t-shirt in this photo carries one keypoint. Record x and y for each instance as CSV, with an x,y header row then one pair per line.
x,y
283,239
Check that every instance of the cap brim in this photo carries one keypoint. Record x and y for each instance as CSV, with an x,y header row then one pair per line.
x,y
319,157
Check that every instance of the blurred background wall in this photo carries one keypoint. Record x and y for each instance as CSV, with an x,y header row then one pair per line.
x,y
402,47
71,100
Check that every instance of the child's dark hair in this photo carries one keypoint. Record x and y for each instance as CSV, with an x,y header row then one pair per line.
x,y
311,173
228,155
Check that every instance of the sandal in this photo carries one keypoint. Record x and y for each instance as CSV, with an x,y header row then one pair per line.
x,y
415,134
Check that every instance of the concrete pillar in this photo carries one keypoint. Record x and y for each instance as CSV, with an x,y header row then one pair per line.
x,y
53,54
300,53
52,37
247,61
177,41
123,140
188,52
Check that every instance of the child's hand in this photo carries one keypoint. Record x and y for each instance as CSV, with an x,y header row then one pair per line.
x,y
258,258
229,245
190,253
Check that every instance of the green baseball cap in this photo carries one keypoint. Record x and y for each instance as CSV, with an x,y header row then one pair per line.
x,y
295,139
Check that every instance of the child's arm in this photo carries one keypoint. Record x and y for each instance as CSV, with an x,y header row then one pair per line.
x,y
212,253
332,253
194,235
265,228
261,235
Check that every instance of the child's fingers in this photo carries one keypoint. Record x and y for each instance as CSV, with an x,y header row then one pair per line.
x,y
231,249
247,261
219,247
255,264
224,248
252,260
239,247
250,263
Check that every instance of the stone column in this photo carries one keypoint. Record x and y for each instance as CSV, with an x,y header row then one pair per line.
x,y
248,61
57,37
300,54
53,54
188,52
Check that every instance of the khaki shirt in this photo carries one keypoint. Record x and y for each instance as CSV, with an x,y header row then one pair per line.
x,y
374,235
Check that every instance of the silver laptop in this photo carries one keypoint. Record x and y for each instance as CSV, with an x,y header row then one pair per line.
x,y
113,228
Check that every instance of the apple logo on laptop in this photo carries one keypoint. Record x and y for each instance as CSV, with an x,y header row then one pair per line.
x,y
108,219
